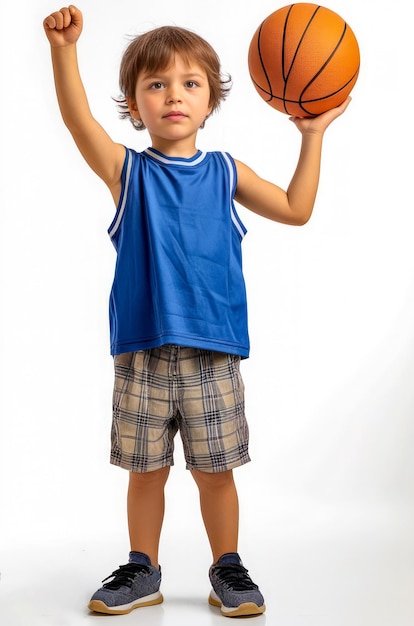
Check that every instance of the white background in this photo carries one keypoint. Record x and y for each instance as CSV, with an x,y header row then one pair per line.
x,y
327,503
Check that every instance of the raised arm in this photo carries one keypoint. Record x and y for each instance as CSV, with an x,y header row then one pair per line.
x,y
103,155
295,205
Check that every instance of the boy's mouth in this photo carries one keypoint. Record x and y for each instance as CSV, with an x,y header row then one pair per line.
x,y
175,115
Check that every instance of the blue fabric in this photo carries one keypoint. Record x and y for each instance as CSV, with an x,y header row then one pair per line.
x,y
139,557
178,276
230,558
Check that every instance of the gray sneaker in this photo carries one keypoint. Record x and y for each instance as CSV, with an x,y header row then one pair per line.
x,y
131,586
233,589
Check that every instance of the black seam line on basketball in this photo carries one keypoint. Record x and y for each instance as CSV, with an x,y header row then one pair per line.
x,y
283,41
333,93
286,78
310,100
261,60
325,64
283,54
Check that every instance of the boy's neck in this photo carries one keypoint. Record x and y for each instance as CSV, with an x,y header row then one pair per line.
x,y
181,149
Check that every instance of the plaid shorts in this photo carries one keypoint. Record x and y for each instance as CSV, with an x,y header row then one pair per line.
x,y
162,390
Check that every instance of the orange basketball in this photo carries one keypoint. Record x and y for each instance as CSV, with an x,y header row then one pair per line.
x,y
304,59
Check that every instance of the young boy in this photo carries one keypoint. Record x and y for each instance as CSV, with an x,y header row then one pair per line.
x,y
178,304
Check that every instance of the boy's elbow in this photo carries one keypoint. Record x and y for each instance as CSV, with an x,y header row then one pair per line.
x,y
302,219
300,212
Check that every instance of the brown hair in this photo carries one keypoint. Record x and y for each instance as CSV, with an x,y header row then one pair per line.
x,y
153,51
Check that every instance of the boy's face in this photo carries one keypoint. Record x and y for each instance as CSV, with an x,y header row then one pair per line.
x,y
173,104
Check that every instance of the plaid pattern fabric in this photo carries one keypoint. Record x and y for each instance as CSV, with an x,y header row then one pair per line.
x,y
162,390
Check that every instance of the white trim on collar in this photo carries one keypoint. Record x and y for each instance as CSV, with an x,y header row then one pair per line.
x,y
175,161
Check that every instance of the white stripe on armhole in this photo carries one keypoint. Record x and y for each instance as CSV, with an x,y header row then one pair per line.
x,y
121,210
235,218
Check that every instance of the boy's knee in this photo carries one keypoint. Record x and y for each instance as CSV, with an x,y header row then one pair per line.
x,y
214,480
142,479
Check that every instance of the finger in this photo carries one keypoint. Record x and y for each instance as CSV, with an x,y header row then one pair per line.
x,y
66,17
345,104
54,21
49,22
59,19
76,15
337,111
341,108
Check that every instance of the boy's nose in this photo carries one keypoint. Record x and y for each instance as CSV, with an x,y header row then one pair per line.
x,y
174,95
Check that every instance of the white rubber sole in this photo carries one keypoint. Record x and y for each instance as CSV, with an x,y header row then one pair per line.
x,y
247,608
98,606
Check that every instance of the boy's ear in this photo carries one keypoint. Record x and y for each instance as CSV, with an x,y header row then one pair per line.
x,y
133,109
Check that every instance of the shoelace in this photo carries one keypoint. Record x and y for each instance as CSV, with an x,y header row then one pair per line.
x,y
235,577
124,576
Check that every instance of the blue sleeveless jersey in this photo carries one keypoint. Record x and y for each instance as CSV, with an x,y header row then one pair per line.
x,y
178,275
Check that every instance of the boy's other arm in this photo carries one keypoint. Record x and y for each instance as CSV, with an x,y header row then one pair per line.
x,y
103,155
295,205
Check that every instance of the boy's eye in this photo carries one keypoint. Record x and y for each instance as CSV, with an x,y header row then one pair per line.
x,y
157,85
191,84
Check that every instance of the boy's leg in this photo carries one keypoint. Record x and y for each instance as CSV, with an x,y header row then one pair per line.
x,y
220,510
146,511
138,582
233,591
